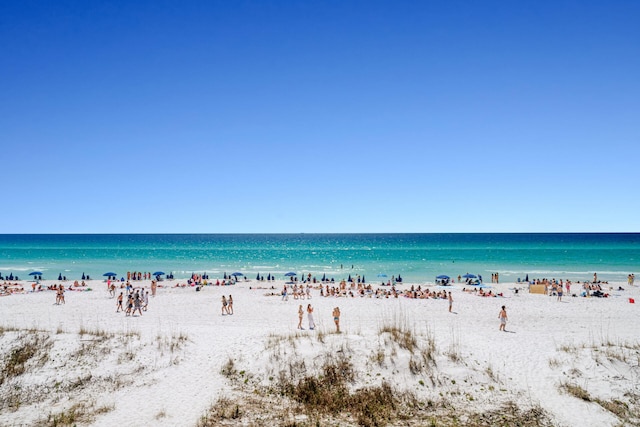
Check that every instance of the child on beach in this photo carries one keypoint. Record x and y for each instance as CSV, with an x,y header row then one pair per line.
x,y
503,318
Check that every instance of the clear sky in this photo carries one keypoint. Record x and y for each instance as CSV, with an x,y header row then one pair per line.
x,y
319,116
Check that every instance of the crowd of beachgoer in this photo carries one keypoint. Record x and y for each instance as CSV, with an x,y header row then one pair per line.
x,y
137,301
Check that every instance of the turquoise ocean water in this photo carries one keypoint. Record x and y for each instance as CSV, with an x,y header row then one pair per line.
x,y
416,257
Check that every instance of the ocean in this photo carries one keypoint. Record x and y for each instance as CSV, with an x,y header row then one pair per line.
x,y
417,258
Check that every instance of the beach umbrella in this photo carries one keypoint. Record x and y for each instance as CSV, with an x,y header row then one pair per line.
x,y
526,279
35,273
59,276
290,274
83,276
469,276
324,277
258,276
159,273
236,274
269,276
110,274
362,279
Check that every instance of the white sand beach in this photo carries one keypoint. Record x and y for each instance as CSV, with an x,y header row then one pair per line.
x,y
569,363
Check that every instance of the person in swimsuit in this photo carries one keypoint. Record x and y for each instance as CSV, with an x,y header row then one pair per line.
x,y
300,315
230,305
336,318
503,318
129,305
224,305
450,302
119,303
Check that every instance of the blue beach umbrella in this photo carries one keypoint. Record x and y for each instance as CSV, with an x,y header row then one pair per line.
x,y
469,276
290,274
110,274
35,273
159,273
258,276
237,273
442,276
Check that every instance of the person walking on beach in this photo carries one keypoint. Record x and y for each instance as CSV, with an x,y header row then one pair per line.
x,y
119,303
450,302
129,305
137,304
284,294
503,318
224,305
300,315
230,305
336,318
312,324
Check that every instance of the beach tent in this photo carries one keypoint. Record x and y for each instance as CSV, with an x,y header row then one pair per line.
x,y
442,279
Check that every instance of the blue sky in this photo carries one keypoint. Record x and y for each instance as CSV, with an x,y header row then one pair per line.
x,y
336,116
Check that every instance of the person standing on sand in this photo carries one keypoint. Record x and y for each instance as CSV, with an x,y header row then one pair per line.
x,y
129,305
450,302
300,314
224,305
137,304
230,305
312,324
336,318
119,303
503,318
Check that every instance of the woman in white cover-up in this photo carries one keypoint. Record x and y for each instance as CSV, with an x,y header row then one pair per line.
x,y
312,325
